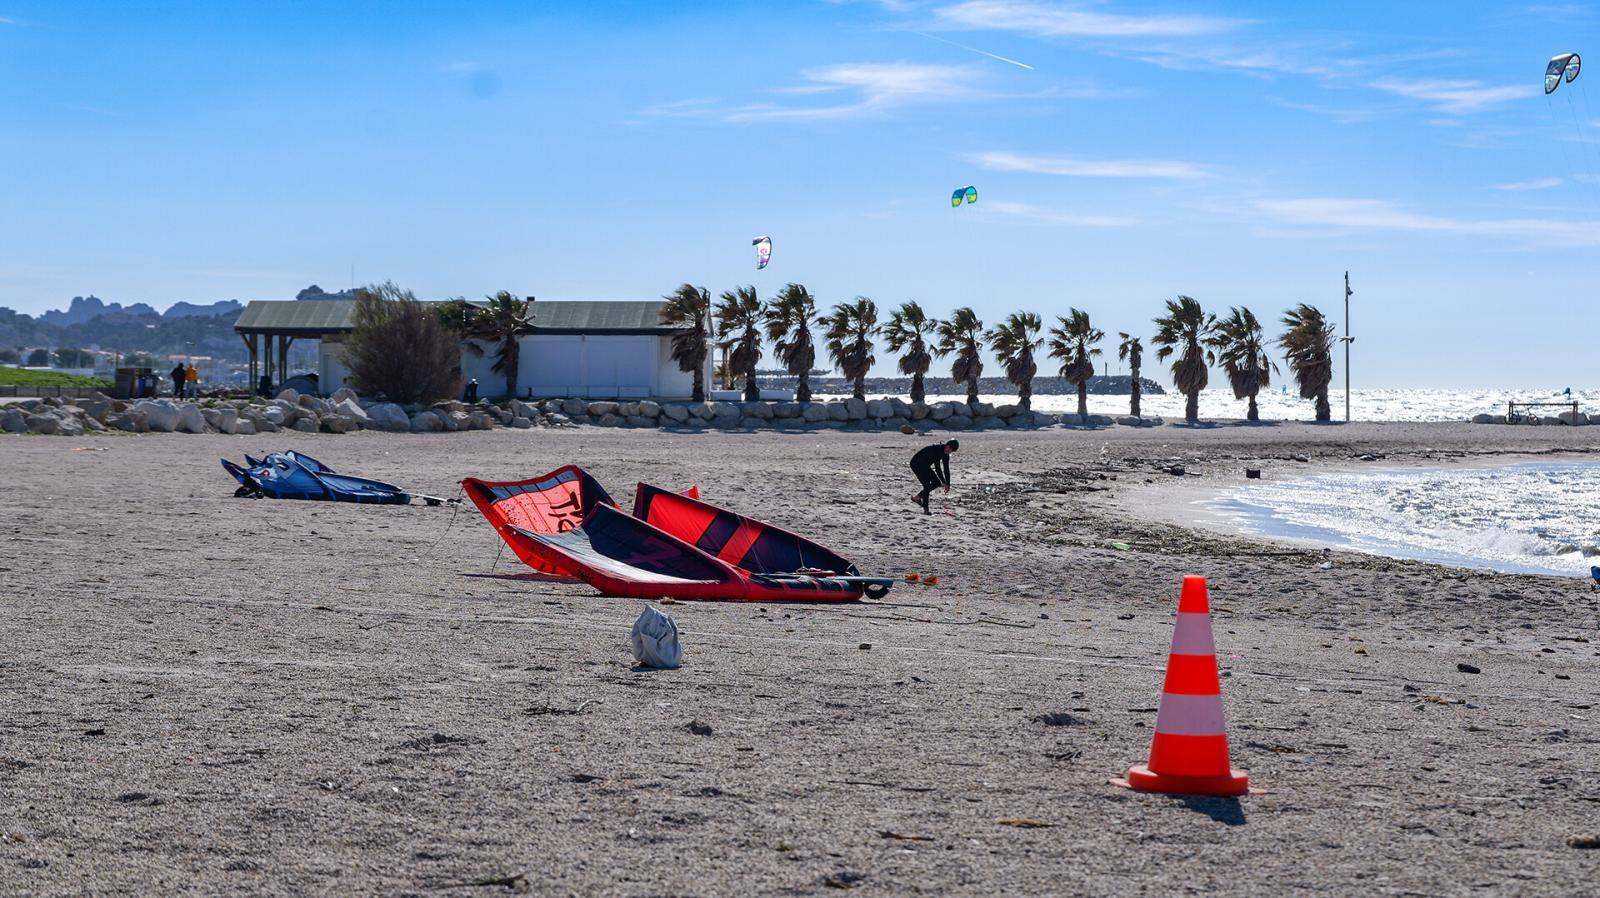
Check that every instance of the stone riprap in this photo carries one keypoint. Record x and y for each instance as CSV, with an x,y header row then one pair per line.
x,y
346,412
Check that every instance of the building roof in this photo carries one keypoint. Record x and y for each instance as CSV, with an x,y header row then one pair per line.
x,y
315,318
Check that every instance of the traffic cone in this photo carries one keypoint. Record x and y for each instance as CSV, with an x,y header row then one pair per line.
x,y
1189,753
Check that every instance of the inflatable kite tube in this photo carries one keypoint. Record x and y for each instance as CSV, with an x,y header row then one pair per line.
x,y
290,475
565,523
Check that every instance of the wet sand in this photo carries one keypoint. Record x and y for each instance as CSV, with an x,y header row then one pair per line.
x,y
207,695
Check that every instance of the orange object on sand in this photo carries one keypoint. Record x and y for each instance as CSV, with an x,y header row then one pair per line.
x,y
912,578
930,579
1189,752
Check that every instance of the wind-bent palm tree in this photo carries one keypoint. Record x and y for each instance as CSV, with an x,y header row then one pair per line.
x,y
1242,352
962,334
1308,349
738,317
1072,341
501,322
1131,350
788,318
688,309
851,327
1014,343
1183,332
909,329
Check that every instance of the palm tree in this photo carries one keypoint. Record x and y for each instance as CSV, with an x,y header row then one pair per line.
x,y
908,329
1131,351
501,322
738,317
788,318
1308,348
688,310
962,334
1014,343
1072,341
1183,331
851,328
1243,356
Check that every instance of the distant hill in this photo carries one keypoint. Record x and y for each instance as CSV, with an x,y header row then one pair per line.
x,y
314,293
83,308
189,309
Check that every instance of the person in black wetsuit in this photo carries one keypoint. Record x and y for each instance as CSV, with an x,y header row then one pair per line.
x,y
931,464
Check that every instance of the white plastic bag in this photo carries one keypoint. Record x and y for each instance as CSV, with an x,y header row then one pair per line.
x,y
655,640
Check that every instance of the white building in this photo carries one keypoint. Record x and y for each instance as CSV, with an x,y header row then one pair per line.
x,y
595,350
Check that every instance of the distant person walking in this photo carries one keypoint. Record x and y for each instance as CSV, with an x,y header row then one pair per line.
x,y
931,464
472,390
178,380
192,377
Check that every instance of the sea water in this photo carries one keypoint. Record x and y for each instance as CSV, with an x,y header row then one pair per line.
x,y
1522,518
1275,405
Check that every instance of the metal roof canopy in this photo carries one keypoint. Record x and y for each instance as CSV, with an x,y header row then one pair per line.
x,y
317,318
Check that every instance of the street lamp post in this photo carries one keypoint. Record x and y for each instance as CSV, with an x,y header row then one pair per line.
x,y
1347,340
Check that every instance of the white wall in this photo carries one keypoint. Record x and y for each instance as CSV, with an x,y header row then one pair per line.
x,y
331,369
591,366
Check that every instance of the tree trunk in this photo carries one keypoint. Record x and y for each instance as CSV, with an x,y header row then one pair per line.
x,y
1025,394
1253,414
1133,395
1083,402
699,383
752,393
1191,407
861,387
802,390
917,393
1324,413
972,391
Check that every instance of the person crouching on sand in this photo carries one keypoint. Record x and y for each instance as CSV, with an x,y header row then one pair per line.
x,y
931,464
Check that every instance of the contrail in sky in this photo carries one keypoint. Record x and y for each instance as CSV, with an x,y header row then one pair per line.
x,y
1020,65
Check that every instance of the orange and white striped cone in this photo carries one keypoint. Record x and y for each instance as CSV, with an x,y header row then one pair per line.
x,y
1189,753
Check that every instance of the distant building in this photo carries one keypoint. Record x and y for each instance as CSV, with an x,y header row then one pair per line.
x,y
596,350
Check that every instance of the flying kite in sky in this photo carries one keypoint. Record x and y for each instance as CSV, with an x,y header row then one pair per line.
x,y
763,247
1566,64
970,194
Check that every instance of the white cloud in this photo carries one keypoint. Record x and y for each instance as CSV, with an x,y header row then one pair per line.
x,y
1535,184
1455,97
1081,168
1052,216
1062,21
1380,215
879,87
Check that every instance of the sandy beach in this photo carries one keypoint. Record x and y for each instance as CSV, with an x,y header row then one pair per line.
x,y
207,695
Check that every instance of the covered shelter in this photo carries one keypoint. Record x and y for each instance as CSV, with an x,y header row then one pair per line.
x,y
593,349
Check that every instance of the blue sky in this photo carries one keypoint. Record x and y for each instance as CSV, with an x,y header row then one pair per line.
x,y
1241,153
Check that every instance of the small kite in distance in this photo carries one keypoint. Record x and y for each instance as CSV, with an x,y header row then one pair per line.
x,y
763,247
970,194
1564,64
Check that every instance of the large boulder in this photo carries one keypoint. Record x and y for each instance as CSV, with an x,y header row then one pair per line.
x,y
880,408
307,424
228,420
388,416
919,410
610,419
701,410
244,427
941,411
980,409
97,406
642,420
344,394
814,413
557,419
426,422
957,422
649,408
761,411
1130,421
675,413
160,415
351,409
190,420
43,424
895,422
854,410
337,423
519,409
1098,420
574,407
840,411
521,423
13,420
1573,419
724,411
291,396
786,410
1007,411
601,408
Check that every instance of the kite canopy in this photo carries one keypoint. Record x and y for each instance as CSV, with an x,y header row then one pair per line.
x,y
970,194
1563,66
292,475
673,545
763,247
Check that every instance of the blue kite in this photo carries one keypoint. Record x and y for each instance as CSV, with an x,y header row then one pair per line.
x,y
295,475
